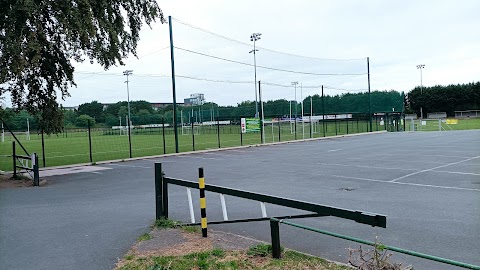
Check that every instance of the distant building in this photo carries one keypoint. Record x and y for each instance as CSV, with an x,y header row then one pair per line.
x,y
161,105
71,108
194,100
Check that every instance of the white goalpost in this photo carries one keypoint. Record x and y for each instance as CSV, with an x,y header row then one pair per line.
x,y
187,129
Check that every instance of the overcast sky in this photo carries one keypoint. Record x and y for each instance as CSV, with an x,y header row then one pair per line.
x,y
395,35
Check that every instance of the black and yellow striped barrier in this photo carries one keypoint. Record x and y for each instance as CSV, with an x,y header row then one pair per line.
x,y
203,202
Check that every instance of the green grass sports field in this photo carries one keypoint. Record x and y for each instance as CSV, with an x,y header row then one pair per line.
x,y
72,147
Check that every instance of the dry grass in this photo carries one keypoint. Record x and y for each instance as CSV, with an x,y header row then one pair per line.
x,y
219,259
7,181
194,252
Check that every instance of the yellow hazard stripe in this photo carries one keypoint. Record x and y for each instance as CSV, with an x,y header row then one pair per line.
x,y
201,182
203,203
204,222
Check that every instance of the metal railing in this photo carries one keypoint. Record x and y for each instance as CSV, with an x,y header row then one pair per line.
x,y
161,196
276,250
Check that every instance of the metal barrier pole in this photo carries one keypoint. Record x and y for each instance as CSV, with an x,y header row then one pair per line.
x,y
361,241
275,234
203,202
161,210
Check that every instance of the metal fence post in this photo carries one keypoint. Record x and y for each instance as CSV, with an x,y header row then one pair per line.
x,y
218,132
347,126
193,133
311,132
36,173
279,130
129,137
295,125
336,132
275,234
43,149
161,210
14,161
241,137
163,135
90,140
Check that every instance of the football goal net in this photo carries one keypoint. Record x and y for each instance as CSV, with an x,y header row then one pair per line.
x,y
187,130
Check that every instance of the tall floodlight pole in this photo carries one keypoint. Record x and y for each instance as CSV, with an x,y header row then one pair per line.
x,y
295,86
175,128
254,37
128,73
421,87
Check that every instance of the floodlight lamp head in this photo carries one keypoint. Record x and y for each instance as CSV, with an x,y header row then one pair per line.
x,y
420,66
255,36
128,72
294,83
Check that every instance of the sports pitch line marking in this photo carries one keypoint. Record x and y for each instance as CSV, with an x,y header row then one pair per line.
x,y
364,166
400,183
465,173
431,169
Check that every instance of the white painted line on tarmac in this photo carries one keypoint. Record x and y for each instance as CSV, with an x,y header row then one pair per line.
x,y
463,173
334,150
400,183
431,169
96,172
131,166
392,156
367,167
64,171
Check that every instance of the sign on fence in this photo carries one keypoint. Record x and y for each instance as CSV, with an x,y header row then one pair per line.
x,y
452,121
250,125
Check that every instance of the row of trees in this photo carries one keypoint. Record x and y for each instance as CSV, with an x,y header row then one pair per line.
x,y
143,113
447,99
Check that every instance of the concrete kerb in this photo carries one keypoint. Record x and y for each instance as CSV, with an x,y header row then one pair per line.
x,y
205,151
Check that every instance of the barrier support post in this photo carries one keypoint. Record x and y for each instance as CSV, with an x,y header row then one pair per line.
x,y
161,193
203,202
275,234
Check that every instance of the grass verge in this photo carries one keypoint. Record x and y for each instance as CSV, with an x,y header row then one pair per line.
x,y
221,259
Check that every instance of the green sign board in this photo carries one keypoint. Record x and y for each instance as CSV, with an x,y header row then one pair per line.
x,y
250,125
